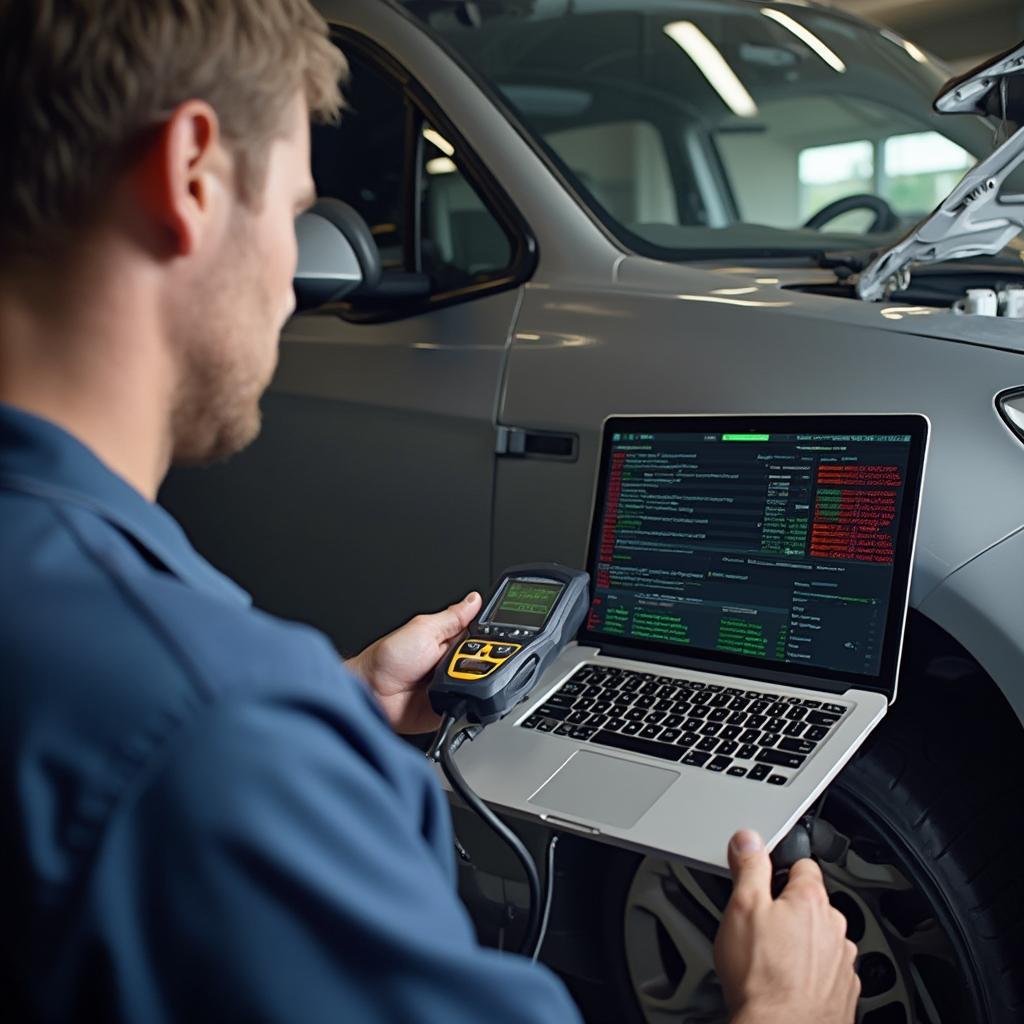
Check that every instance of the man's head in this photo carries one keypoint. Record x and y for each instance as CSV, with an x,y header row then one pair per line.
x,y
180,129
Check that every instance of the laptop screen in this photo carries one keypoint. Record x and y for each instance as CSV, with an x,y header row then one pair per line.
x,y
782,543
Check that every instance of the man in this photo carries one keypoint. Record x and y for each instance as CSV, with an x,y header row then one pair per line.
x,y
206,815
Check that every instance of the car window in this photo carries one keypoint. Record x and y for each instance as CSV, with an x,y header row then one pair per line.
x,y
693,127
461,241
365,161
361,160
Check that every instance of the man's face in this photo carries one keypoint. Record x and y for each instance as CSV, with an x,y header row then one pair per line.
x,y
239,296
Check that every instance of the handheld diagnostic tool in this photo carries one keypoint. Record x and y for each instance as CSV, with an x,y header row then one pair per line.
x,y
534,612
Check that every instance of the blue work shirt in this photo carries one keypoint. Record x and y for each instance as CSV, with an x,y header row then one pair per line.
x,y
205,817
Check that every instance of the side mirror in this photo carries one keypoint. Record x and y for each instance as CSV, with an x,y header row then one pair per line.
x,y
337,254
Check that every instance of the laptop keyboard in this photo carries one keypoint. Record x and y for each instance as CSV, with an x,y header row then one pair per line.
x,y
732,730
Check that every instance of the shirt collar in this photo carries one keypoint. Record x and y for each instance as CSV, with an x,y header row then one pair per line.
x,y
38,457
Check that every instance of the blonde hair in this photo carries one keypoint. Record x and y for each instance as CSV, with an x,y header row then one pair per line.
x,y
83,82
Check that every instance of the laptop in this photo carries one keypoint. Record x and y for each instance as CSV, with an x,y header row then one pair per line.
x,y
749,588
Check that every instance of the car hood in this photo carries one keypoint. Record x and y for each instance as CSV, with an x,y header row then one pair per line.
x,y
787,288
977,218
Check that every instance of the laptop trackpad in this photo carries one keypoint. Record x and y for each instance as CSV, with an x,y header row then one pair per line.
x,y
604,788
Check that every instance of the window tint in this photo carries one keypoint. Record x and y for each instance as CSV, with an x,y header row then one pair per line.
x,y
462,242
361,160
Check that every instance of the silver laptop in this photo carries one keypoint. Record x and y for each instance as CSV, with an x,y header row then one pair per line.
x,y
749,586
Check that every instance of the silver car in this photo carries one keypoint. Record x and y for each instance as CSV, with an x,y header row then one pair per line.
x,y
562,209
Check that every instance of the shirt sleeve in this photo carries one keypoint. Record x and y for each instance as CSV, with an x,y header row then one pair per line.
x,y
270,869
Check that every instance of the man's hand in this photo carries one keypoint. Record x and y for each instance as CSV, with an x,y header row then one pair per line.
x,y
783,961
398,666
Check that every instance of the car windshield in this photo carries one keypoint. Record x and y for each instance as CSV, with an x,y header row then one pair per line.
x,y
703,127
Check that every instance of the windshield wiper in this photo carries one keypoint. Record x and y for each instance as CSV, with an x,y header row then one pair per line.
x,y
975,219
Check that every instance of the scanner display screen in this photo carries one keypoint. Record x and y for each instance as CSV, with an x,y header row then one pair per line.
x,y
524,603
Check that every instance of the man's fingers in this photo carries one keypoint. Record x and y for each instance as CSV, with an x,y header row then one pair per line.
x,y
751,868
456,617
805,880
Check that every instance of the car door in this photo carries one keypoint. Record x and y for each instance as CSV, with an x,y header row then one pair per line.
x,y
367,496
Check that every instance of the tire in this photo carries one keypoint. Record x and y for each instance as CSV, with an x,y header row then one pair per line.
x,y
930,884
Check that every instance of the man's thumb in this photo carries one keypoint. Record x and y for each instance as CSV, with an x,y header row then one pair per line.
x,y
750,866
460,614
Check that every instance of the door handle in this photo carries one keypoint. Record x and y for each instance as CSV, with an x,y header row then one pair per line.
x,y
516,442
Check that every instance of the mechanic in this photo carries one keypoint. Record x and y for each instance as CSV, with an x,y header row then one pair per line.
x,y
207,816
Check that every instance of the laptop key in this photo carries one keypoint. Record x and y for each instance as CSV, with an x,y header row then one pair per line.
x,y
759,772
780,758
815,733
631,728
796,746
652,748
670,735
737,718
795,728
577,717
775,724
692,724
822,717
687,739
654,717
718,715
597,721
697,758
650,732
730,732
709,729
811,703
739,704
835,709
560,700
728,747
645,701
718,764
546,725
582,732
531,722
634,715
615,724
563,729
737,770
747,751
776,780
554,712
756,721
673,722
770,739
708,743
750,736
796,711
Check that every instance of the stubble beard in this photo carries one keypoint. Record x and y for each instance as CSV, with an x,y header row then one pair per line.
x,y
223,371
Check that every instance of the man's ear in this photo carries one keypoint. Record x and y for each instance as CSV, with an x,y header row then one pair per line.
x,y
183,175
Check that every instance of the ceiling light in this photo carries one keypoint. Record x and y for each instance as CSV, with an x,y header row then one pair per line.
x,y
807,37
439,140
713,66
441,165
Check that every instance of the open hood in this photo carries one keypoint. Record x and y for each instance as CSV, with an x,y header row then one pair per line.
x,y
976,218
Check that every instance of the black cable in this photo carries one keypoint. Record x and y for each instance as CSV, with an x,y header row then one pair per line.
x,y
549,888
461,787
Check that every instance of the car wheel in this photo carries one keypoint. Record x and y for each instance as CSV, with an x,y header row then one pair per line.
x,y
928,880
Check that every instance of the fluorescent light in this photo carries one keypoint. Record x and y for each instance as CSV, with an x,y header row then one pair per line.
x,y
439,140
713,66
914,52
441,165
904,44
807,37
